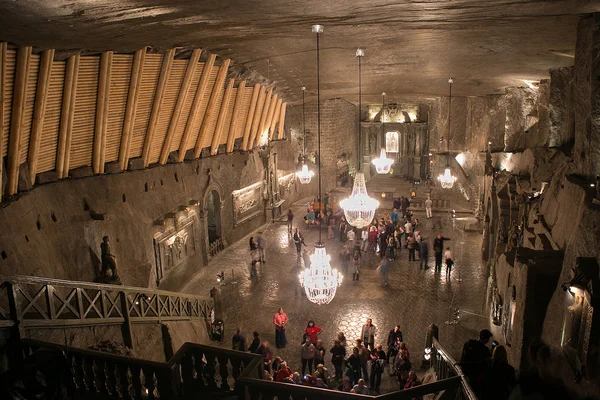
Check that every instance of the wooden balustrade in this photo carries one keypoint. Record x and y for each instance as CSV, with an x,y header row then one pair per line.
x,y
32,302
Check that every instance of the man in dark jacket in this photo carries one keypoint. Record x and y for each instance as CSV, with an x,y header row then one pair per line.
x,y
298,241
405,205
476,359
397,203
438,248
393,341
423,253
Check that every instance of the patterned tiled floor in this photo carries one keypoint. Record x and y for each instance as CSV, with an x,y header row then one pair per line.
x,y
414,298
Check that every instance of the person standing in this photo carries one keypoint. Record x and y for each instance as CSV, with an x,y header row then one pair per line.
x,y
423,254
402,366
350,235
298,240
319,353
253,256
384,270
394,217
313,331
408,228
261,242
356,264
476,360
438,248
364,355
307,355
290,220
280,320
396,204
412,247
364,236
238,341
330,219
428,205
500,380
338,353
382,243
373,238
378,360
405,205
394,340
265,351
368,334
255,343
344,259
449,261
343,229
353,364
402,206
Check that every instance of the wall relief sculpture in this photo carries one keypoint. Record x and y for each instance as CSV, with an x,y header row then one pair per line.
x,y
287,184
174,246
247,203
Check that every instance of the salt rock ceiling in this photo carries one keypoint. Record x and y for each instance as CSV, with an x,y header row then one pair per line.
x,y
411,47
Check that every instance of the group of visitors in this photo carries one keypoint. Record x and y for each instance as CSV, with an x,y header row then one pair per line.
x,y
357,372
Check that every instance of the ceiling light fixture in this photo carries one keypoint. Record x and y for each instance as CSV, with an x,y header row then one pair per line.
x,y
320,282
446,179
382,163
304,175
359,208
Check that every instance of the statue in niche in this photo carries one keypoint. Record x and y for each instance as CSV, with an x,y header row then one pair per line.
x,y
513,237
109,263
501,231
496,307
372,144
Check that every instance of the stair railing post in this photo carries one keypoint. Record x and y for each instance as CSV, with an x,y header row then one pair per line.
x,y
126,327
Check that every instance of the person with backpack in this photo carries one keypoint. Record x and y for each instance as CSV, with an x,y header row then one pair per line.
x,y
378,361
402,366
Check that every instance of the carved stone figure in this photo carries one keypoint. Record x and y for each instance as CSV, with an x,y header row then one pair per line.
x,y
513,237
109,262
496,307
501,231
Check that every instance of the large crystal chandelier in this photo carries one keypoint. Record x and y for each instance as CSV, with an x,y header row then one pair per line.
x,y
447,180
383,164
359,208
320,282
304,175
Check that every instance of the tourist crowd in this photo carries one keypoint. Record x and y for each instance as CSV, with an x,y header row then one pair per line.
x,y
356,371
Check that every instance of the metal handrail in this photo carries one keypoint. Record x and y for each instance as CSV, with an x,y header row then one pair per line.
x,y
455,369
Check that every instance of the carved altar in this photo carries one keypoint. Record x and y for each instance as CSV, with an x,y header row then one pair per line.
x,y
247,203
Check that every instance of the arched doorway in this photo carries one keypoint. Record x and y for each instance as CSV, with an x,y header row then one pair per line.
x,y
213,216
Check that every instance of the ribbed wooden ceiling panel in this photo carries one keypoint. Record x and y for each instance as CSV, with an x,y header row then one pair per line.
x,y
244,108
187,107
213,120
34,67
49,141
166,108
198,120
117,101
11,59
82,136
228,116
150,73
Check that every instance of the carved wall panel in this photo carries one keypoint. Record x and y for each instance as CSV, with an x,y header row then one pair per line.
x,y
247,203
174,246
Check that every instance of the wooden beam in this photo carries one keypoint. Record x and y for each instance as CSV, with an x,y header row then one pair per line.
x,y
235,116
212,107
185,87
250,116
214,146
156,105
66,117
208,66
101,112
275,118
16,119
131,107
275,104
281,121
263,117
256,118
3,49
39,111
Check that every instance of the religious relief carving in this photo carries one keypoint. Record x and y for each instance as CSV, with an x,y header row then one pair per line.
x,y
286,184
109,263
496,307
392,142
513,237
174,246
509,313
247,202
501,231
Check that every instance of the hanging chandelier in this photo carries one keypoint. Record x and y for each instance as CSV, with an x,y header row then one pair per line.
x,y
447,180
320,282
383,164
304,175
359,208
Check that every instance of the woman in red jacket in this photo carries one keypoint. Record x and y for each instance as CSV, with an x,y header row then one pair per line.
x,y
313,331
373,239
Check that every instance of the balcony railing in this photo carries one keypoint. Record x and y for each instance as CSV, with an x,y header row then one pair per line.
x,y
28,302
